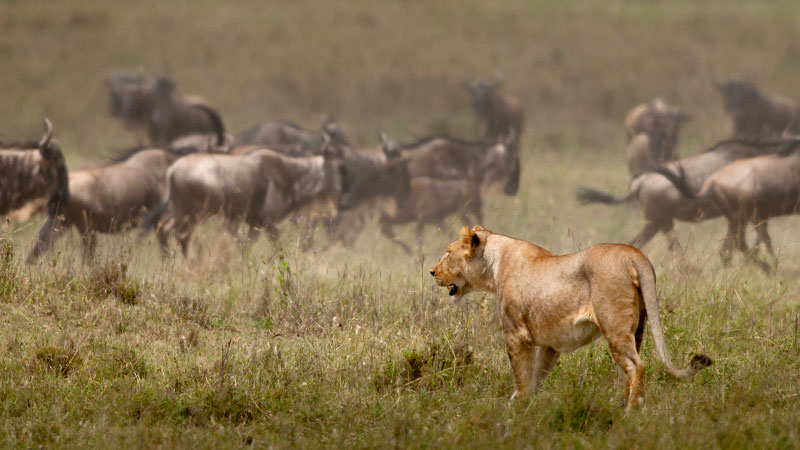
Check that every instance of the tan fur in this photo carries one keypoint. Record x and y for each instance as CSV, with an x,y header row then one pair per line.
x,y
550,304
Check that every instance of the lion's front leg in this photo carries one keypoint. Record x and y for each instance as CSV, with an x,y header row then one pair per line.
x,y
521,355
544,361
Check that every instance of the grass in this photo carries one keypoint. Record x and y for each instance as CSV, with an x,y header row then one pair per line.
x,y
355,347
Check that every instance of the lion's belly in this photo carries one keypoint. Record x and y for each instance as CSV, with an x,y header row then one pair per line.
x,y
569,333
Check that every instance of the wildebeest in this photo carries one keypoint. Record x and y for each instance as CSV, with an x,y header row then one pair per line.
x,y
156,106
486,163
31,171
653,131
260,188
109,199
752,190
662,202
497,115
283,134
756,114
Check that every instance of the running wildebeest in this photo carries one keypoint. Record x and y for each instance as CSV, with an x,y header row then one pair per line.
x,y
109,199
155,106
662,202
497,115
756,114
260,188
31,171
653,131
446,177
485,163
280,134
752,190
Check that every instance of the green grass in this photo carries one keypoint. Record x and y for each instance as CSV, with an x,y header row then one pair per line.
x,y
355,347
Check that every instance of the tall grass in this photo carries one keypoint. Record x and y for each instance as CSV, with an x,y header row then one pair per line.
x,y
354,347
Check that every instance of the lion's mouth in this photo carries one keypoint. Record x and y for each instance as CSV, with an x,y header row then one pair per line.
x,y
453,289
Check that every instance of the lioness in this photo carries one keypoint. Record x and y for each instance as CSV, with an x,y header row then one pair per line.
x,y
551,304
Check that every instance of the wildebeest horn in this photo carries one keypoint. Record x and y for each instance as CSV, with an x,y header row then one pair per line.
x,y
326,141
47,135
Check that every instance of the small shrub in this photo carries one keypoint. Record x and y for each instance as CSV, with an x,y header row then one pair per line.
x,y
59,359
110,280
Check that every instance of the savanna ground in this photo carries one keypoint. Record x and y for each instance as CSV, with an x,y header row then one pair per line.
x,y
355,347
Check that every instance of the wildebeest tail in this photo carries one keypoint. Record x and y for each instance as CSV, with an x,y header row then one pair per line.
x,y
586,195
678,180
216,120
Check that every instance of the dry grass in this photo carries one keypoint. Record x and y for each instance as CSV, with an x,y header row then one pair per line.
x,y
355,347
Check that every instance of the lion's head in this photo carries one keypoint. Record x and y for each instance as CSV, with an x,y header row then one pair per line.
x,y
462,269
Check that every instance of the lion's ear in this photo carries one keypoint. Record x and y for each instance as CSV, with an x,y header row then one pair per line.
x,y
474,243
477,228
466,235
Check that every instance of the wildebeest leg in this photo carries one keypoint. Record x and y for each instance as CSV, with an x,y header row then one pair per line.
x,y
762,237
386,228
89,240
50,231
647,233
726,250
183,234
672,240
752,255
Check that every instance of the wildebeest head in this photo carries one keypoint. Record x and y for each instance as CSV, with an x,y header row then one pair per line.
x,y
501,164
334,131
738,96
482,91
367,176
129,96
163,88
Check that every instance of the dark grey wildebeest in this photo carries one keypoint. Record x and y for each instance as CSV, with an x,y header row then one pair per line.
x,y
259,188
496,115
31,172
283,134
109,199
660,198
155,106
757,114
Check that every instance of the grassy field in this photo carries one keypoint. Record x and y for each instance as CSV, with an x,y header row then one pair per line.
x,y
355,347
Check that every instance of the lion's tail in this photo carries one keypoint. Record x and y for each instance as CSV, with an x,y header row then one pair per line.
x,y
647,286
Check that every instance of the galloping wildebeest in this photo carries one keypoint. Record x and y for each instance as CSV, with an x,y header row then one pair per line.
x,y
756,114
446,177
109,199
156,106
752,190
485,163
497,115
282,134
260,188
653,131
662,202
31,171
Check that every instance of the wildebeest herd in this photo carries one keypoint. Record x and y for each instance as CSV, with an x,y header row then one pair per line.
x,y
749,178
188,167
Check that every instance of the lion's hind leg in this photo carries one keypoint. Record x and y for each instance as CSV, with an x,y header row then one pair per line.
x,y
623,350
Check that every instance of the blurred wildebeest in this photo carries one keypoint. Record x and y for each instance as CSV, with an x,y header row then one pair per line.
x,y
446,177
497,115
752,190
653,131
32,171
374,183
280,134
155,106
756,114
260,188
202,143
661,200
483,162
109,199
